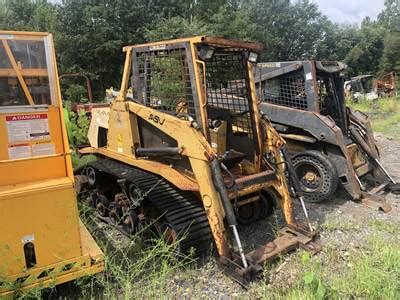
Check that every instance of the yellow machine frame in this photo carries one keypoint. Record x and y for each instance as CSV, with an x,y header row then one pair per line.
x,y
122,124
42,241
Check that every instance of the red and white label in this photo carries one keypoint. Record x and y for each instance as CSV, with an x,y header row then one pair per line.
x,y
26,117
29,127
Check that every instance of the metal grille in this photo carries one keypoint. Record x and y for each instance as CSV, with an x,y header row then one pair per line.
x,y
227,88
287,90
163,81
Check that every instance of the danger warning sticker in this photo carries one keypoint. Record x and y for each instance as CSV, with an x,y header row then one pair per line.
x,y
29,127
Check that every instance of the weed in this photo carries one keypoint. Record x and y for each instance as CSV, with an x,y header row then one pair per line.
x,y
371,273
132,270
80,161
333,225
384,113
380,225
374,273
391,105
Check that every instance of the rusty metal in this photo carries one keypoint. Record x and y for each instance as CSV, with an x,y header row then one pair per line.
x,y
88,85
386,84
253,179
288,239
232,43
376,202
88,107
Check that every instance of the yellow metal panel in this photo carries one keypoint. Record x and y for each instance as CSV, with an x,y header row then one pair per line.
x,y
172,175
33,168
49,215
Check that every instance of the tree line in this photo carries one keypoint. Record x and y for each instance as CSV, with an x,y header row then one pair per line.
x,y
89,34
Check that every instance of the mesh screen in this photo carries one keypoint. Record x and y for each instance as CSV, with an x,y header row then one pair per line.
x,y
287,90
226,88
164,81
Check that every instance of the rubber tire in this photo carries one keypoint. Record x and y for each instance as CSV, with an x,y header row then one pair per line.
x,y
326,170
269,202
256,207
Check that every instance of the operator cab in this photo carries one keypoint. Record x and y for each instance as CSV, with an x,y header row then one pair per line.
x,y
214,92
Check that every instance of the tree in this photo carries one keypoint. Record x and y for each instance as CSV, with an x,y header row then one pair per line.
x,y
290,31
390,60
365,55
390,16
175,27
36,15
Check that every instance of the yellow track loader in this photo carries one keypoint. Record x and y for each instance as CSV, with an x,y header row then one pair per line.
x,y
191,151
42,241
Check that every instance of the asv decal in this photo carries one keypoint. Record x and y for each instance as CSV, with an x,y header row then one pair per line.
x,y
156,119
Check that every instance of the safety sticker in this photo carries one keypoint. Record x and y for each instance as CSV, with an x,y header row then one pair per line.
x,y
30,127
19,151
43,149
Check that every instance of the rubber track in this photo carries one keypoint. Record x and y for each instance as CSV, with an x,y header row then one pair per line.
x,y
181,209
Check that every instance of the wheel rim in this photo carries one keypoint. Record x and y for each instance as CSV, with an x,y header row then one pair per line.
x,y
317,176
131,222
134,194
115,213
169,235
311,179
91,175
102,206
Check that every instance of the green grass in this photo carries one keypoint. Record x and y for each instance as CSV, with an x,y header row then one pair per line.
x,y
384,114
80,161
137,268
372,272
384,226
334,224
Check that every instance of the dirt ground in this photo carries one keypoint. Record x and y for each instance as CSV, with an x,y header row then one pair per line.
x,y
344,226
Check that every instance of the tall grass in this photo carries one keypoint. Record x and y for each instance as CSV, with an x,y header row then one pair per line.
x,y
384,114
135,268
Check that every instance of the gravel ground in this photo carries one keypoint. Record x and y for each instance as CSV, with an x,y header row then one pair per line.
x,y
344,226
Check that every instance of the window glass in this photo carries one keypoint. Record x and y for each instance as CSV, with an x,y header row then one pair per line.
x,y
30,60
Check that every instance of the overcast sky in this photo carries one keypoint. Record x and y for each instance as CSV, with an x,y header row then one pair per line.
x,y
350,11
